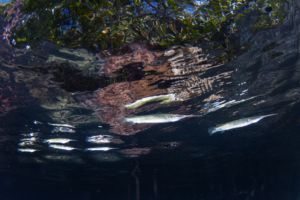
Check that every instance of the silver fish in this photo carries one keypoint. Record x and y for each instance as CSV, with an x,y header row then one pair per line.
x,y
166,98
27,150
30,139
157,118
100,139
62,129
26,143
99,149
62,125
237,123
58,140
62,147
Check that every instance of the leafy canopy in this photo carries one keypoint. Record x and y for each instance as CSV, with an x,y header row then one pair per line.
x,y
113,23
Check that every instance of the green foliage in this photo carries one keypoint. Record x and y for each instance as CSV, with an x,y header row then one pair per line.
x,y
4,6
113,23
272,19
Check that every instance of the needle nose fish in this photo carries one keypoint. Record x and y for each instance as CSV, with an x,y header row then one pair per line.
x,y
163,99
100,149
157,118
58,140
62,147
237,123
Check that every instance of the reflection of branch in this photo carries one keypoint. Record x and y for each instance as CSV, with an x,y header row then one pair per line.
x,y
155,188
135,173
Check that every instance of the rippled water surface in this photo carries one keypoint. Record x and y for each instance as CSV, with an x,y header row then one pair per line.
x,y
152,123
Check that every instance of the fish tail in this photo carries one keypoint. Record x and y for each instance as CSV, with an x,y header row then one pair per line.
x,y
211,130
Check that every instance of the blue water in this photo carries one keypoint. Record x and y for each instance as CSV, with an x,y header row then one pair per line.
x,y
5,1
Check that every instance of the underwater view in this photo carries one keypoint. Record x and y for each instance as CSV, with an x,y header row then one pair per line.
x,y
150,100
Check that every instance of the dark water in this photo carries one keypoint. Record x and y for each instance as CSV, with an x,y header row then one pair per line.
x,y
50,92
257,162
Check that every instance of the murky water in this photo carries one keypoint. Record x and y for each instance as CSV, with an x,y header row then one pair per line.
x,y
150,123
